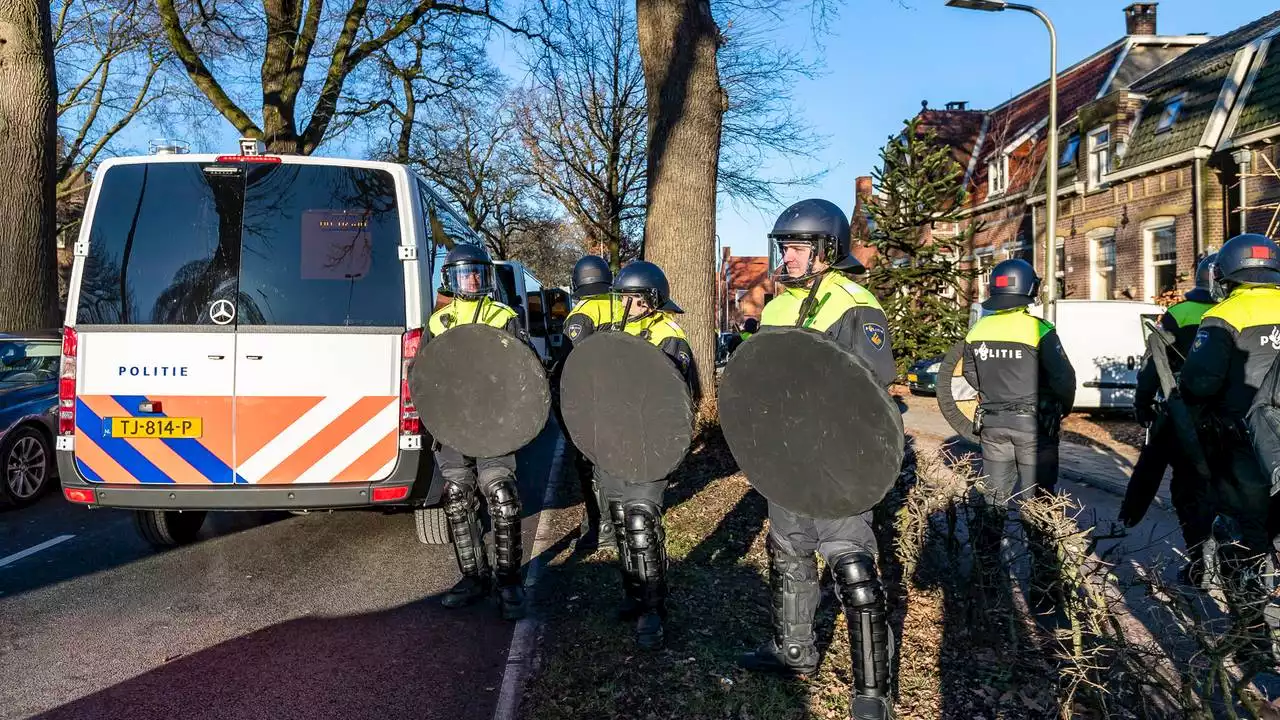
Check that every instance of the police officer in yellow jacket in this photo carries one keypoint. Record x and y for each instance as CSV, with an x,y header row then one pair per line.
x,y
595,307
468,277
1191,501
1237,342
812,237
1025,384
635,509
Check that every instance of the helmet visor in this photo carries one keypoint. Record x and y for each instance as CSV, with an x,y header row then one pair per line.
x,y
470,279
796,258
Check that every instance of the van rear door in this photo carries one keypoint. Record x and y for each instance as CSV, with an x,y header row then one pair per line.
x,y
321,320
154,301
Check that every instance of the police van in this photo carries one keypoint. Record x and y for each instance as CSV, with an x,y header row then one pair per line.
x,y
237,336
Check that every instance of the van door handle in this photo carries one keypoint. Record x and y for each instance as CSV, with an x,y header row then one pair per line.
x,y
252,357
217,357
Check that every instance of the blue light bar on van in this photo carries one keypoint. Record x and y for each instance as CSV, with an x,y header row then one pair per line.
x,y
249,158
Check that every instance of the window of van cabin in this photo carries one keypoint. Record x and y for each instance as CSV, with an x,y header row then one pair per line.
x,y
320,248
164,245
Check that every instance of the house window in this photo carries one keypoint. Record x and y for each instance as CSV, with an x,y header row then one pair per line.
x,y
1069,152
1169,115
998,175
985,260
1104,266
1060,272
1162,251
1099,155
1021,249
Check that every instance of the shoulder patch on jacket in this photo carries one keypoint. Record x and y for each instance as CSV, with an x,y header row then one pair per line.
x,y
875,334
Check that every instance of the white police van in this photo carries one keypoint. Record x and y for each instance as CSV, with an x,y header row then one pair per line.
x,y
237,334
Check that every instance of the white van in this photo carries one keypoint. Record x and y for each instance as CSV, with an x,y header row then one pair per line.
x,y
1105,341
237,334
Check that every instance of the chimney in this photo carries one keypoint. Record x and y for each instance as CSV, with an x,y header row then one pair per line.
x,y
958,105
1140,18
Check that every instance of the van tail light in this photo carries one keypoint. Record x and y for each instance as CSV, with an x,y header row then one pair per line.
x,y
67,383
410,424
80,495
390,494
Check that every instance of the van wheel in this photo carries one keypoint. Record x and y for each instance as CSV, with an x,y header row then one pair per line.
x,y
168,528
433,527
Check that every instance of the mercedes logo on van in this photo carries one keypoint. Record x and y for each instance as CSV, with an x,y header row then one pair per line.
x,y
222,312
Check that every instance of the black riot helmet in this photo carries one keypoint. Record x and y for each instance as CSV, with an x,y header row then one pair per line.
x,y
1203,291
821,225
591,276
645,278
467,272
1249,258
1013,284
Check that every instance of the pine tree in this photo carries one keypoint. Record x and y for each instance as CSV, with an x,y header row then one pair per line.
x,y
915,230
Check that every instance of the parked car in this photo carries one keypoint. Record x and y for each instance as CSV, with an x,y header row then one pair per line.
x,y
28,415
922,377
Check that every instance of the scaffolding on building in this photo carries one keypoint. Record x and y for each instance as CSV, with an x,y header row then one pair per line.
x,y
1273,173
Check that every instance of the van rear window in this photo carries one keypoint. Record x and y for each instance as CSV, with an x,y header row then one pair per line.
x,y
287,244
320,247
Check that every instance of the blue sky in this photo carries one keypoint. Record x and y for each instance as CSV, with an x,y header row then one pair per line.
x,y
884,56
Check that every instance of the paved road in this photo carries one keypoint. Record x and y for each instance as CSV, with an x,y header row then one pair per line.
x,y
332,615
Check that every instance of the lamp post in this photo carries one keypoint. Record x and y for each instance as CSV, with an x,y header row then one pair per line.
x,y
1051,154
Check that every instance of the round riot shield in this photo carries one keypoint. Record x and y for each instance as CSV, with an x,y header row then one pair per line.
x,y
480,390
809,425
957,399
626,407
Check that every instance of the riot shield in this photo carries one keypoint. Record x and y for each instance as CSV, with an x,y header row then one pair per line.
x,y
626,407
480,390
957,399
809,425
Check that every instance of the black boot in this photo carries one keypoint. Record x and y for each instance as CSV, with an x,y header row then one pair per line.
x,y
646,562
508,545
793,584
596,530
871,642
462,510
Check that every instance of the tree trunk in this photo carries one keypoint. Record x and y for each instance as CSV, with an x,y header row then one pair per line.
x,y
28,105
678,44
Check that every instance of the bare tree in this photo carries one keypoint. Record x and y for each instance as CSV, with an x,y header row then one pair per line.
x,y
298,101
111,69
583,122
29,292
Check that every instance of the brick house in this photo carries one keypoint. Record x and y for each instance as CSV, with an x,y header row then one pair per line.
x,y
743,287
1006,172
1249,141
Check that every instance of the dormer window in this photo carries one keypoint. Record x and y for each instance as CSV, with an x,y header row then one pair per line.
x,y
1169,115
998,174
1069,152
1099,155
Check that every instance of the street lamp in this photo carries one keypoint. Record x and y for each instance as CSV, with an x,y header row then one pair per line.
x,y
1051,153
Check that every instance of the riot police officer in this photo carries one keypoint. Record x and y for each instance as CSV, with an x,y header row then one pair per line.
x,y
1237,342
595,307
468,277
1191,501
635,508
1025,385
813,242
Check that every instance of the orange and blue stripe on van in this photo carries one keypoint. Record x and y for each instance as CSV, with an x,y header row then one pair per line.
x,y
359,444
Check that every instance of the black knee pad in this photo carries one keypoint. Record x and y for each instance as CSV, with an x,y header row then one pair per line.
x,y
504,501
855,574
644,526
